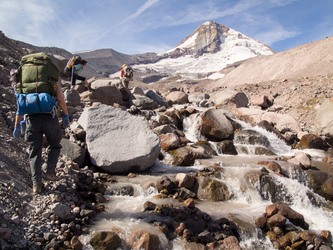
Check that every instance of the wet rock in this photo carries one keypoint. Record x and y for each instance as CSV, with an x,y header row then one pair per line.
x,y
231,243
270,128
215,125
76,243
189,203
261,222
105,240
149,206
277,220
175,117
312,141
186,156
165,184
275,167
185,180
169,141
213,190
226,147
185,193
295,217
308,235
251,137
271,210
145,240
303,159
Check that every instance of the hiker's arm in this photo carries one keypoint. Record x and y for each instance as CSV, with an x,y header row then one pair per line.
x,y
61,100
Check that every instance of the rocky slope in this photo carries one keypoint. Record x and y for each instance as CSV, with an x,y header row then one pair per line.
x,y
308,60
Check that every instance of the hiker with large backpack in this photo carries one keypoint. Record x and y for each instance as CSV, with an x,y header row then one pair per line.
x,y
74,67
126,75
38,96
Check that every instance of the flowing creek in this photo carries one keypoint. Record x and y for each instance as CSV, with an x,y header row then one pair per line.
x,y
125,212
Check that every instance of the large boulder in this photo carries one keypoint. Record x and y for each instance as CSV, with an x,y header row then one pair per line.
x,y
324,120
177,97
229,99
73,151
215,125
117,141
157,98
107,95
72,97
142,102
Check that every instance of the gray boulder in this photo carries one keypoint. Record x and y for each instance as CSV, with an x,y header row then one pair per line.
x,y
73,151
117,141
324,120
157,98
142,102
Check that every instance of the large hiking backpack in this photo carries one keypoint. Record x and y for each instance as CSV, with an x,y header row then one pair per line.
x,y
37,74
128,72
75,60
36,85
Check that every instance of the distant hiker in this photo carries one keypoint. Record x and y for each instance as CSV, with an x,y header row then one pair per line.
x,y
74,67
126,75
38,94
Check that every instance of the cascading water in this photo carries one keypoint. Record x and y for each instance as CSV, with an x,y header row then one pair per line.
x,y
240,173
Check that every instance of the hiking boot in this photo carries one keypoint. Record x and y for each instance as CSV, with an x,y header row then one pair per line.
x,y
51,177
37,189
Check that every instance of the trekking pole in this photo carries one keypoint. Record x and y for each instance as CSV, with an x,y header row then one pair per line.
x,y
72,75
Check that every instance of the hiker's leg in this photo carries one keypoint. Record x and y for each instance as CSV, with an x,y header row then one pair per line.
x,y
34,138
53,135
126,84
74,76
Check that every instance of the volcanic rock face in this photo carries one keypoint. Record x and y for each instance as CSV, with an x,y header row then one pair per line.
x,y
212,37
211,48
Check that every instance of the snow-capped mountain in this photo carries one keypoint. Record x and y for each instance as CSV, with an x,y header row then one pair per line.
x,y
208,50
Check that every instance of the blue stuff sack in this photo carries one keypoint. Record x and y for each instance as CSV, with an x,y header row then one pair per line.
x,y
35,103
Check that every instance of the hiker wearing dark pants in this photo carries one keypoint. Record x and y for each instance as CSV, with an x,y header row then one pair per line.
x,y
36,126
73,68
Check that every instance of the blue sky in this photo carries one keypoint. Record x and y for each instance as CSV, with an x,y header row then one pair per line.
x,y
139,26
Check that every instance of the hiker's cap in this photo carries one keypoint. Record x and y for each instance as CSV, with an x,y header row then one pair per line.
x,y
124,65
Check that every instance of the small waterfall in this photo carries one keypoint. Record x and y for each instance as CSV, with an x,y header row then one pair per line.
x,y
275,144
191,128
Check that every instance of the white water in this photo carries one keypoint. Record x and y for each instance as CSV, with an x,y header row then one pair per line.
x,y
126,212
